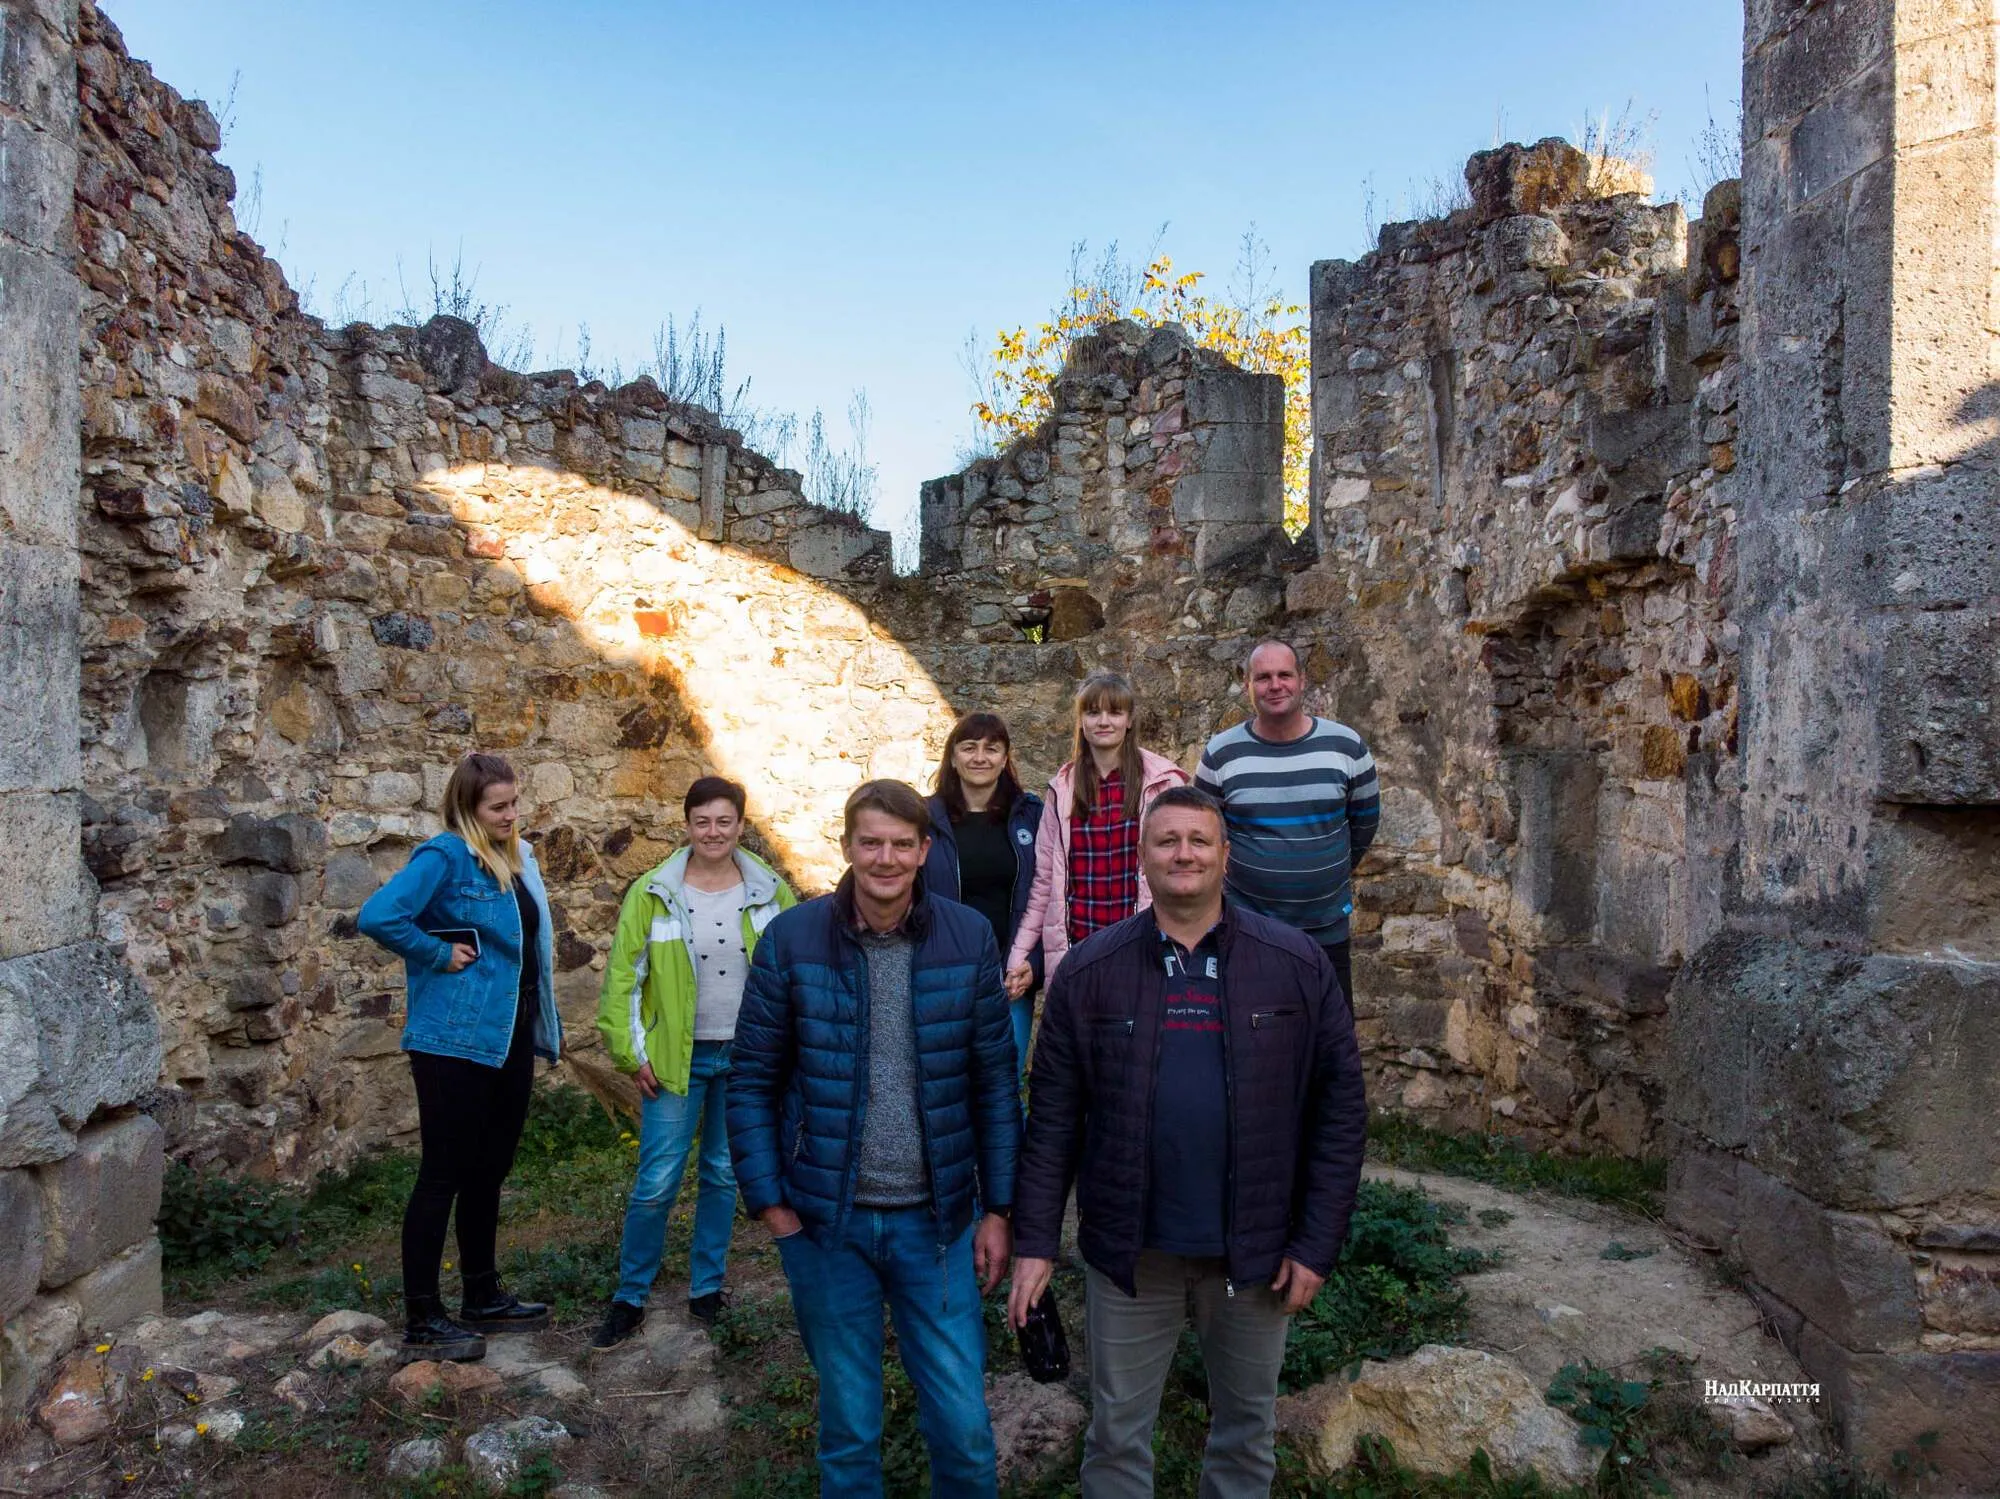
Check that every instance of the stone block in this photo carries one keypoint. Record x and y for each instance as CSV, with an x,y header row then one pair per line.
x,y
1925,541
270,898
1557,792
1937,726
1527,242
40,674
1886,1402
290,841
1236,397
451,353
36,77
1833,1072
77,1033
41,419
1840,1270
1517,179
1934,881
830,550
20,1240
37,183
122,1289
1701,1193
32,1342
44,888
101,1198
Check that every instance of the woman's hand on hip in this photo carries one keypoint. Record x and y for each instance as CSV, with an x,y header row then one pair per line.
x,y
462,957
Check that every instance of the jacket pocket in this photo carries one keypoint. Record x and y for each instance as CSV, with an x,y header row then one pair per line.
x,y
1260,1019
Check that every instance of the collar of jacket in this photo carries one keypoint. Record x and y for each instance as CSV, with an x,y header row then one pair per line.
x,y
1157,773
760,883
1222,930
916,921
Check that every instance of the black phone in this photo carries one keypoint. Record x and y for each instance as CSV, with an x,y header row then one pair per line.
x,y
465,935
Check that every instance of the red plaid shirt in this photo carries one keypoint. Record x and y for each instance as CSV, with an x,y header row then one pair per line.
x,y
1103,862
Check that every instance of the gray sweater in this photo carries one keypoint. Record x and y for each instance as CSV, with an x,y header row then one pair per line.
x,y
893,1172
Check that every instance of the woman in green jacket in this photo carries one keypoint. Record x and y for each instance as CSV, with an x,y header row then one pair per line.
x,y
667,1013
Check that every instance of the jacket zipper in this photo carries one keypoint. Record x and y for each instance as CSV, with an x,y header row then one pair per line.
x,y
1229,1117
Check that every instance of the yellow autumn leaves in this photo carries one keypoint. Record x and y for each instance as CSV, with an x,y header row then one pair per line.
x,y
1269,336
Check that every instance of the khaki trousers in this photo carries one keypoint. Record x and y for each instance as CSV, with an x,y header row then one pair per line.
x,y
1132,1341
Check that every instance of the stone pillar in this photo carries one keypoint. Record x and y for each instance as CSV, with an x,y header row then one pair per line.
x,y
78,1039
1836,1050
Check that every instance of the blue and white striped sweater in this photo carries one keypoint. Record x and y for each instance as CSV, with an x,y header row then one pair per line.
x,y
1299,815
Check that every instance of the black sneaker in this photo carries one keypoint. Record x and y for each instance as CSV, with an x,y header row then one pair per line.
x,y
705,1309
619,1324
429,1334
502,1311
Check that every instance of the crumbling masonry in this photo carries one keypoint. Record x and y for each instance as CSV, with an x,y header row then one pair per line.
x,y
1655,559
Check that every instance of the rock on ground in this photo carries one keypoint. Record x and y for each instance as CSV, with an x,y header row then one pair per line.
x,y
363,1325
1752,1424
494,1453
1438,1406
1032,1423
84,1401
417,1457
413,1383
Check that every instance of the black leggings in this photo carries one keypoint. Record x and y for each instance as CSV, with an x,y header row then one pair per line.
x,y
469,1116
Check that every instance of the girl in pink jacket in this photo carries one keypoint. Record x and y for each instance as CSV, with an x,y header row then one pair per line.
x,y
1087,849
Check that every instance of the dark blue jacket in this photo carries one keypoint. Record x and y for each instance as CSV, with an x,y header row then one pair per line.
x,y
1298,1114
798,1072
941,864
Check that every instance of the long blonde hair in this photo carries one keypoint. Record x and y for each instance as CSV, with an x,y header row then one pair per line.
x,y
469,781
1101,690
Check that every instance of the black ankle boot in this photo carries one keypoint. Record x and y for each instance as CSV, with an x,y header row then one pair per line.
x,y
429,1334
490,1309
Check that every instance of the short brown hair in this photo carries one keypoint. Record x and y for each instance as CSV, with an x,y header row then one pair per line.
x,y
893,798
1187,798
714,789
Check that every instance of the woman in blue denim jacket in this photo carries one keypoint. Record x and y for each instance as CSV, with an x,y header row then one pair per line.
x,y
470,920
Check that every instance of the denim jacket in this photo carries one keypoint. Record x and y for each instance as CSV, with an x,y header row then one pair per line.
x,y
470,1013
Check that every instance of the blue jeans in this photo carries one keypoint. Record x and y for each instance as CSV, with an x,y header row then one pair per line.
x,y
892,1254
667,1128
1023,1013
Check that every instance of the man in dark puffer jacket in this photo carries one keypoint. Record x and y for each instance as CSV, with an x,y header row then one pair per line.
x,y
1197,1078
873,1112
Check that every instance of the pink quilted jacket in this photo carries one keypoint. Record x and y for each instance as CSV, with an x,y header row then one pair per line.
x,y
1046,919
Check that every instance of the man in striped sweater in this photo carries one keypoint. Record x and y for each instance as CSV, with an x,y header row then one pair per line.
x,y
1300,797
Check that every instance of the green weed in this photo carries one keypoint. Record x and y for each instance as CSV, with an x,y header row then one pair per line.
x,y
1395,1140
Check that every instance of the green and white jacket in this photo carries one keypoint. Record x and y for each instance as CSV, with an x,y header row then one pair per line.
x,y
645,1011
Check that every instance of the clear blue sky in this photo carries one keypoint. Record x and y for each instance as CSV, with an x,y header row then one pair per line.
x,y
850,188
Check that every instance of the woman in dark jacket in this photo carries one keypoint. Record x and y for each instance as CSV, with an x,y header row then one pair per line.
x,y
470,920
983,841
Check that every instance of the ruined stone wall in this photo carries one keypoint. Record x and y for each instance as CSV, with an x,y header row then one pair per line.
x,y
321,565
79,1166
1140,529
1834,1046
1523,450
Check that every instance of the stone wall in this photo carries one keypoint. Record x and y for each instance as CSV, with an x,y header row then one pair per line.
x,y
1834,1047
321,565
79,1169
1523,426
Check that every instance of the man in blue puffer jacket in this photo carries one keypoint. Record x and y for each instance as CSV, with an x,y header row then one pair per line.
x,y
873,1116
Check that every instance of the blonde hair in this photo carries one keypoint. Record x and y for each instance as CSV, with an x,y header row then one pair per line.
x,y
470,780
1101,690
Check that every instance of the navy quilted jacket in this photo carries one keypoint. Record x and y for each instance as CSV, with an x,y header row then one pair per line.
x,y
799,1069
1298,1116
